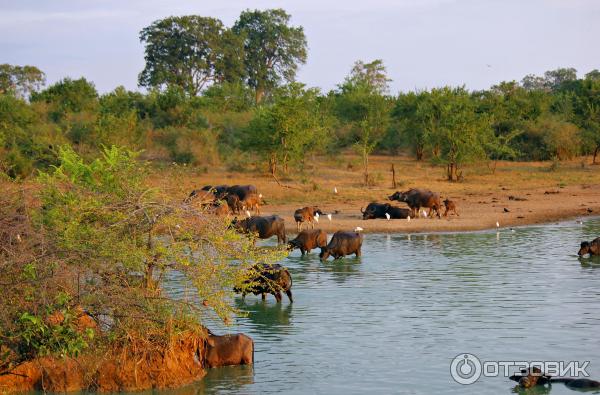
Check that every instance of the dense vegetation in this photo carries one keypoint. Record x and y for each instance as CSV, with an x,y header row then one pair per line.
x,y
219,94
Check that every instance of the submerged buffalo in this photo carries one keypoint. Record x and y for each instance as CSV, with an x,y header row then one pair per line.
x,y
531,377
264,227
379,210
342,244
309,239
267,279
417,198
592,248
233,349
306,214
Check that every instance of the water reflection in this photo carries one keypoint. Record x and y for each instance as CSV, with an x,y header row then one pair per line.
x,y
264,315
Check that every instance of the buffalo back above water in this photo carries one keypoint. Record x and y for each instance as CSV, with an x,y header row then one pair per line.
x,y
592,248
265,227
232,349
341,244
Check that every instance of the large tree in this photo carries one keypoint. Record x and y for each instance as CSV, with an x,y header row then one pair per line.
x,y
20,81
189,51
361,102
272,48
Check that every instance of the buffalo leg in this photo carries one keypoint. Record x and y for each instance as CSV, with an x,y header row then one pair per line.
x,y
358,253
277,296
289,295
264,297
302,251
298,226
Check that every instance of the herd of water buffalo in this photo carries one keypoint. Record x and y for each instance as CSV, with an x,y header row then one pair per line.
x,y
274,278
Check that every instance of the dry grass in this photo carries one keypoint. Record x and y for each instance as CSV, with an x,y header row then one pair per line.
x,y
577,181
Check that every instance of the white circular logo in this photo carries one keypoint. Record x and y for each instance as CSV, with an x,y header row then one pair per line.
x,y
465,369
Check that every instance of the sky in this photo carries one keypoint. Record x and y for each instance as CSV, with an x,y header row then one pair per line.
x,y
423,43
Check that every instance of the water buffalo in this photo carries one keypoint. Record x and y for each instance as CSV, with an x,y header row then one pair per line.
x,y
251,201
309,239
234,349
265,227
266,278
379,210
534,376
217,191
592,248
450,206
342,244
306,214
242,191
233,201
417,198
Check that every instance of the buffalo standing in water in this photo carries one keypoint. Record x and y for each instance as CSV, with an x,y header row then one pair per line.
x,y
233,349
309,239
342,244
265,227
592,248
267,279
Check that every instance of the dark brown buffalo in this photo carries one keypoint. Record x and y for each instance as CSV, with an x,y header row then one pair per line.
x,y
309,239
417,198
342,244
450,206
234,349
306,214
217,192
592,248
534,376
379,210
265,227
242,191
267,279
233,201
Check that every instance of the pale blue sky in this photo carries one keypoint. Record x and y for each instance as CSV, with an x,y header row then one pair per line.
x,y
424,43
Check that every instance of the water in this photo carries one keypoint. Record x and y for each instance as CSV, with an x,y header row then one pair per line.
x,y
393,320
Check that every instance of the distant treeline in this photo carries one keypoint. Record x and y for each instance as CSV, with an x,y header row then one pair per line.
x,y
228,95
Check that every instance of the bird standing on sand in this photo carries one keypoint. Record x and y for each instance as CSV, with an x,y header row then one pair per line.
x,y
329,217
358,229
334,190
387,216
408,218
248,214
497,224
317,217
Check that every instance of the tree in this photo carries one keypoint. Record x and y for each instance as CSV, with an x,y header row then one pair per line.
x,y
20,81
556,78
272,49
454,131
292,127
408,128
593,75
362,103
190,52
68,96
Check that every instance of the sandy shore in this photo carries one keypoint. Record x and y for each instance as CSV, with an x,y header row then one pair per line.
x,y
476,212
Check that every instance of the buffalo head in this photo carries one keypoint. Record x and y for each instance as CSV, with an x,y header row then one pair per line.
x,y
585,248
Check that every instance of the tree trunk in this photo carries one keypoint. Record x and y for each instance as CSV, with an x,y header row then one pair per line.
x,y
595,154
419,152
451,171
272,165
260,93
366,166
393,177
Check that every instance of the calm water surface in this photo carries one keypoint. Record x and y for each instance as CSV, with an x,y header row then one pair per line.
x,y
393,320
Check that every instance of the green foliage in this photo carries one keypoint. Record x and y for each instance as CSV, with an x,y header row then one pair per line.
x,y
293,126
68,96
190,52
20,81
272,49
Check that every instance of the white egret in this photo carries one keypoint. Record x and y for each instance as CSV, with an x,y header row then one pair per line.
x,y
329,217
248,214
334,190
497,224
316,217
387,216
358,229
408,219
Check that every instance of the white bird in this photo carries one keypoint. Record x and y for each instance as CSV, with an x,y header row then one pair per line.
x,y
329,217
316,217
260,195
358,229
580,222
387,216
497,224
424,213
18,237
177,226
408,219
512,230
334,190
248,214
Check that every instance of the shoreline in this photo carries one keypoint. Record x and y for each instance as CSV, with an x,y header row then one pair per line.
x,y
477,213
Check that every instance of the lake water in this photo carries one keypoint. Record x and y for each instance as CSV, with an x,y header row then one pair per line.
x,y
393,320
